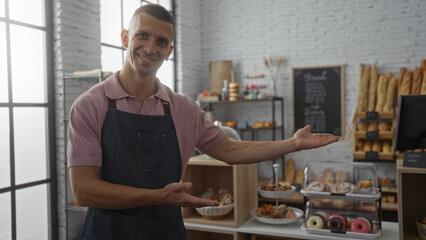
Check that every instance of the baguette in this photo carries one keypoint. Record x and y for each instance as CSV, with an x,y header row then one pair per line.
x,y
368,144
363,90
423,90
386,146
423,65
381,93
417,81
406,83
390,95
360,145
289,171
371,127
377,146
384,126
362,126
372,89
400,79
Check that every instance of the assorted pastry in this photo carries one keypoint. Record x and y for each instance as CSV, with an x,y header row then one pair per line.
x,y
281,212
337,222
222,196
275,187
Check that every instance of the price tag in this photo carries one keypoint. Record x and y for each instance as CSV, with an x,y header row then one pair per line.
x,y
414,159
371,156
372,115
373,135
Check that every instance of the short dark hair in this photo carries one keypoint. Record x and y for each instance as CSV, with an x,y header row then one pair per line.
x,y
154,10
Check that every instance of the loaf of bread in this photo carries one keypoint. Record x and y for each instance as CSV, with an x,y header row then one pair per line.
x,y
368,145
406,83
377,146
289,171
390,95
372,89
423,65
360,145
423,90
300,176
326,176
381,93
363,90
386,146
400,79
384,126
417,81
371,127
362,126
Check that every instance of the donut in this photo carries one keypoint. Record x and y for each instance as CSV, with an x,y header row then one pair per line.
x,y
315,222
318,187
323,215
344,188
361,225
336,222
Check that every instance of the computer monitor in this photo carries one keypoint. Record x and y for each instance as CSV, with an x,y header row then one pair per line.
x,y
411,123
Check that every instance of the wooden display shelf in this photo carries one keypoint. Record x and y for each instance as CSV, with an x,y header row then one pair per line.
x,y
383,135
381,115
389,206
381,156
240,180
411,182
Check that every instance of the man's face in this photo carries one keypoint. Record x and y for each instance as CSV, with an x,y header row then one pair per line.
x,y
148,44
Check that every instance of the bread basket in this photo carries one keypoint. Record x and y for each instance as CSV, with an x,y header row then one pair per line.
x,y
421,227
217,212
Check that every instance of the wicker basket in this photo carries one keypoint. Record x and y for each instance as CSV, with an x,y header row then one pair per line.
x,y
421,227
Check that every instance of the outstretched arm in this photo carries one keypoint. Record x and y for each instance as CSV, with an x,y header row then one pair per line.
x,y
243,152
90,191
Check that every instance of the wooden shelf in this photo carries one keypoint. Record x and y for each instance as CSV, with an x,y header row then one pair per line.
x,y
240,180
383,135
389,206
381,115
410,199
381,156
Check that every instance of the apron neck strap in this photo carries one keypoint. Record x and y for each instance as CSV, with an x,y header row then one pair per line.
x,y
166,106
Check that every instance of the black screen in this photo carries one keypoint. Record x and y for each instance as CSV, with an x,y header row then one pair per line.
x,y
411,123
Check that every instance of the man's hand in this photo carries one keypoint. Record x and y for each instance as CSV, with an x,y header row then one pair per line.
x,y
307,140
174,194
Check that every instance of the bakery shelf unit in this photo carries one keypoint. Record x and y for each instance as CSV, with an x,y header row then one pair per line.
x,y
74,215
411,199
240,180
277,107
373,138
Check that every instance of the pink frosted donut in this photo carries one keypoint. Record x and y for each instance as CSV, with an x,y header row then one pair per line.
x,y
336,222
361,225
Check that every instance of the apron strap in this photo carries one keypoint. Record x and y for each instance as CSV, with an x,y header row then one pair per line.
x,y
111,104
166,107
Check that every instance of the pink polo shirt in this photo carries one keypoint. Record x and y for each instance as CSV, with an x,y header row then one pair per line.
x,y
88,112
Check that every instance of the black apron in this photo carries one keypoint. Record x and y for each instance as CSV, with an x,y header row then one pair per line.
x,y
140,151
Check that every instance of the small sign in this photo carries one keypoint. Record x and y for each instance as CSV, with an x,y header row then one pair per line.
x,y
372,115
372,135
414,159
371,156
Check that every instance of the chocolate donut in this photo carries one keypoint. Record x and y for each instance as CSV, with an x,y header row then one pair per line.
x,y
336,222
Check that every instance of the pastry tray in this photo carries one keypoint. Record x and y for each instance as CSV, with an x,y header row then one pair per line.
x,y
276,194
352,196
348,234
299,213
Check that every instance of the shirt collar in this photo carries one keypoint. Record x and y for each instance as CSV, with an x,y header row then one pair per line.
x,y
114,90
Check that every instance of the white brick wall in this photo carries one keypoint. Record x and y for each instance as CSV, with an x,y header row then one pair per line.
x,y
391,34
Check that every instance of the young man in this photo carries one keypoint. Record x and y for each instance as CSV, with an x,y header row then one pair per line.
x,y
130,139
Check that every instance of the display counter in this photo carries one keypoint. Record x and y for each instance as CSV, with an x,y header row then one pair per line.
x,y
293,230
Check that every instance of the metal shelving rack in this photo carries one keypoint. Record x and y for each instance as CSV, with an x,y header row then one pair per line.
x,y
68,206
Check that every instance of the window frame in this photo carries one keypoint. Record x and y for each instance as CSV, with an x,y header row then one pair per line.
x,y
49,106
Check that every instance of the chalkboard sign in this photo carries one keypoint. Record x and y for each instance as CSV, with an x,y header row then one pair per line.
x,y
318,99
